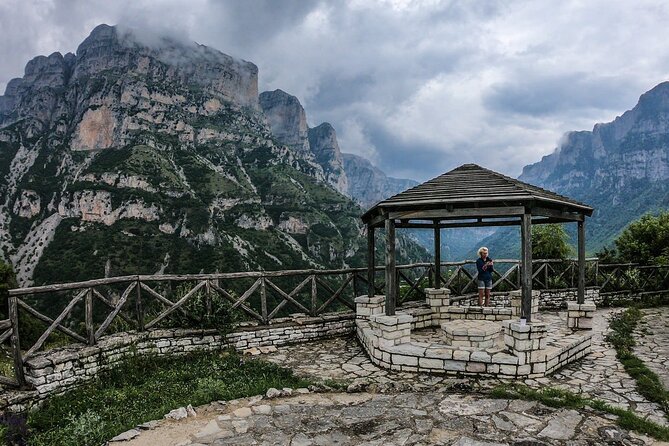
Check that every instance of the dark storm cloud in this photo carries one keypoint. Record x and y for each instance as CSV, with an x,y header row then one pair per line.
x,y
559,93
419,86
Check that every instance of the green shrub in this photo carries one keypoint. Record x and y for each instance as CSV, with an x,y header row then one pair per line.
x,y
645,241
550,242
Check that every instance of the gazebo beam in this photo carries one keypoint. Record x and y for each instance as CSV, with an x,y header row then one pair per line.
x,y
581,262
526,270
437,255
371,291
477,224
557,214
391,278
432,214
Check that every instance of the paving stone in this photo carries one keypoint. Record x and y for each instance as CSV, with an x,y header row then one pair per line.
x,y
423,409
562,426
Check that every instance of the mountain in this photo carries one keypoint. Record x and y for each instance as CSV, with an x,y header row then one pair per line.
x,y
367,184
141,157
620,167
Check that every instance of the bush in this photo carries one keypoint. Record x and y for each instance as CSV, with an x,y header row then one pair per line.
x,y
550,242
645,241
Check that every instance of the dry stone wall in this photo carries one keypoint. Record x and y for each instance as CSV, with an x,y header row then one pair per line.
x,y
56,371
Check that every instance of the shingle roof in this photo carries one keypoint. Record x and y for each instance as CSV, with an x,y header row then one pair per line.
x,y
473,185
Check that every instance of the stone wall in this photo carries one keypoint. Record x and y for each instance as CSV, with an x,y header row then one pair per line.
x,y
387,340
558,299
56,371
548,299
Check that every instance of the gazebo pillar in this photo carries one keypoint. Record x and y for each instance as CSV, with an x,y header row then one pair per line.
x,y
391,277
371,290
581,262
437,255
526,270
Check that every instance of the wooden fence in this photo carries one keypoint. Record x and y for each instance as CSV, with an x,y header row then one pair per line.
x,y
91,309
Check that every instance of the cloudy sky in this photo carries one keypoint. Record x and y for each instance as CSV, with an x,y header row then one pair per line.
x,y
419,87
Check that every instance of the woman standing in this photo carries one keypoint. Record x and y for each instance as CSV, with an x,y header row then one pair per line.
x,y
484,265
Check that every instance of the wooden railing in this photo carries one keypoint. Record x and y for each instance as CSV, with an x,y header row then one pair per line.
x,y
91,309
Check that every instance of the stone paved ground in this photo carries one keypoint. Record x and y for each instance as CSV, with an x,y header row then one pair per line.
x,y
406,418
598,375
652,337
419,409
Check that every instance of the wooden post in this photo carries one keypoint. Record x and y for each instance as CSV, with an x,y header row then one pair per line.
x,y
581,262
355,284
391,283
371,291
90,329
526,270
139,307
16,342
437,255
207,297
314,295
263,300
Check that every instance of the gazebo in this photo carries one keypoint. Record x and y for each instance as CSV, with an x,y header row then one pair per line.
x,y
472,196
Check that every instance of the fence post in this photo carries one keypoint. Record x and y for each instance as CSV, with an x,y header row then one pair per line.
x,y
139,308
263,299
90,329
314,295
16,342
207,297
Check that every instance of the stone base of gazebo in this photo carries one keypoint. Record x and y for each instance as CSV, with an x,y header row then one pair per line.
x,y
521,350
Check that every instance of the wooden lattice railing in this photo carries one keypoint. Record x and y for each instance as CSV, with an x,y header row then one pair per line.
x,y
91,309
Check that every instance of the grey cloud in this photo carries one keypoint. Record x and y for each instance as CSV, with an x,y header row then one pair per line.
x,y
552,94
502,79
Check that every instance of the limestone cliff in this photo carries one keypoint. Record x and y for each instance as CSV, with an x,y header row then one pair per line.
x,y
620,167
367,184
131,157
323,144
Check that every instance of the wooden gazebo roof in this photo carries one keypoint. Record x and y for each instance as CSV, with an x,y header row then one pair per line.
x,y
472,187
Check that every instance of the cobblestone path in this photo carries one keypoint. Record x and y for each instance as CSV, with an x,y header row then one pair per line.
x,y
407,418
420,409
598,375
652,337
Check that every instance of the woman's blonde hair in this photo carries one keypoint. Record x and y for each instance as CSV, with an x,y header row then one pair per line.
x,y
481,249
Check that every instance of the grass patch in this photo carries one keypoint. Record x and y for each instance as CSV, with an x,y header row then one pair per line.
x,y
648,383
560,398
145,388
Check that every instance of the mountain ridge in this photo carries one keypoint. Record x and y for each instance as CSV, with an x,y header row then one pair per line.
x,y
128,159
621,168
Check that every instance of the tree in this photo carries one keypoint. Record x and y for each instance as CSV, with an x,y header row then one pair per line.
x,y
550,242
645,241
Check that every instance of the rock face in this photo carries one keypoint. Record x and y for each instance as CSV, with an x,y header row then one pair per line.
x,y
351,175
367,184
286,118
621,167
133,157
323,144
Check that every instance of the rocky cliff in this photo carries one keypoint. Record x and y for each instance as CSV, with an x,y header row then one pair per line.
x,y
323,144
620,167
131,157
368,184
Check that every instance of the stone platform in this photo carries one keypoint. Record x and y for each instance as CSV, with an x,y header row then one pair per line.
x,y
471,333
507,349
